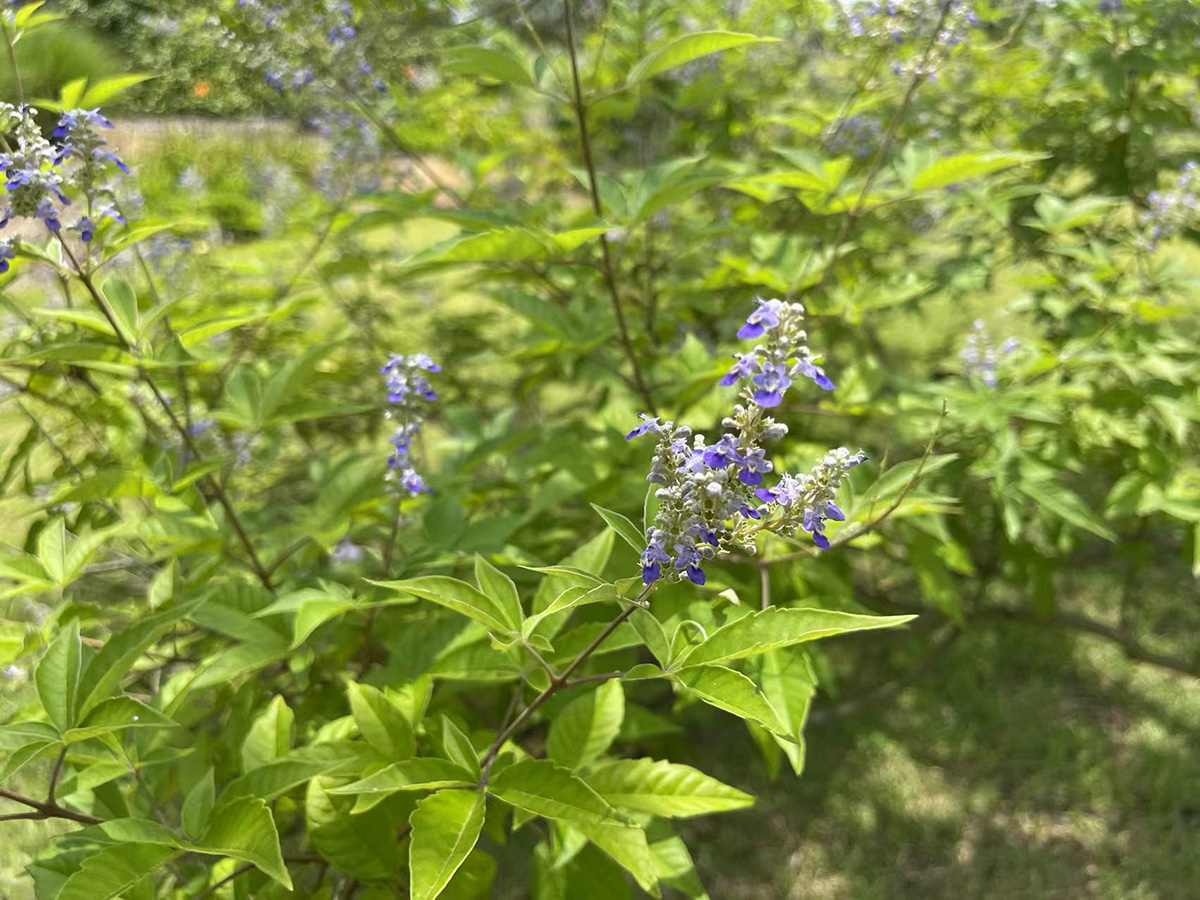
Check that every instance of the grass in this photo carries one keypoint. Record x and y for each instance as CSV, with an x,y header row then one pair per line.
x,y
1031,763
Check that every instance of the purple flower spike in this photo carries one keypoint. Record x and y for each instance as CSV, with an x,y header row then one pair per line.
x,y
766,316
745,367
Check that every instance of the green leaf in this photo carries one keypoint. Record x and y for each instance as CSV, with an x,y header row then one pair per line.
x,y
267,782
116,714
52,550
1067,505
57,676
114,871
500,588
416,774
104,90
380,722
733,692
653,635
587,726
779,626
198,805
789,684
688,47
245,830
541,787
458,596
952,169
123,301
445,828
269,737
363,845
114,660
623,527
458,747
627,845
487,62
23,755
662,788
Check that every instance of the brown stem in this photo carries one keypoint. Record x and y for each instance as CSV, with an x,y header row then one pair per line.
x,y
56,774
610,280
215,486
46,810
562,681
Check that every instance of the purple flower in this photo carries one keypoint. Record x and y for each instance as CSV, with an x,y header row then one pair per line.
x,y
770,384
6,253
815,373
745,367
649,425
756,464
766,316
722,453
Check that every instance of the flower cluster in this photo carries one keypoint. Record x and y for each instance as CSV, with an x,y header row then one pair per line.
x,y
771,367
36,170
806,501
910,22
709,493
980,356
409,392
1171,210
857,135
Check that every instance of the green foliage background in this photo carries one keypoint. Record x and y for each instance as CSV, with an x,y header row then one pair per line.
x,y
1029,734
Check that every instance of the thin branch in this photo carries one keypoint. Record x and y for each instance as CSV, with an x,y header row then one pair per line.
x,y
610,280
46,810
237,873
56,774
561,681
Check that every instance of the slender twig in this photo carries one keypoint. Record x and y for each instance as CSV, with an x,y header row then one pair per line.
x,y
215,486
851,534
561,681
764,578
610,280
18,89
920,76
46,810
56,774
599,676
541,661
237,873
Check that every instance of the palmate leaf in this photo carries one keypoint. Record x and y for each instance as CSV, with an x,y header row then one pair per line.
x,y
459,596
587,726
543,788
776,627
445,828
688,47
665,789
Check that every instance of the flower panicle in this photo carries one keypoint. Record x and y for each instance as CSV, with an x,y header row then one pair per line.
x,y
409,392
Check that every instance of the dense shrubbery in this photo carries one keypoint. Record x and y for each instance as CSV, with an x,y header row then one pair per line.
x,y
276,619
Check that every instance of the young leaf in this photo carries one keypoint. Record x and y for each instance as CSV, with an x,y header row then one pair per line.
x,y
1067,505
779,626
114,660
270,735
688,47
487,62
500,588
416,774
733,692
458,747
587,726
623,527
362,844
198,805
445,827
114,871
52,550
627,845
789,683
665,789
380,722
545,789
122,300
116,714
245,830
458,596
57,676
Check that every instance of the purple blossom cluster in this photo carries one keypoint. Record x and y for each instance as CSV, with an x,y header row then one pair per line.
x,y
709,493
410,393
980,356
38,171
806,501
1170,210
912,23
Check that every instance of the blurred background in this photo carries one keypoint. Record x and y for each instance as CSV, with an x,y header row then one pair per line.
x,y
1018,237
